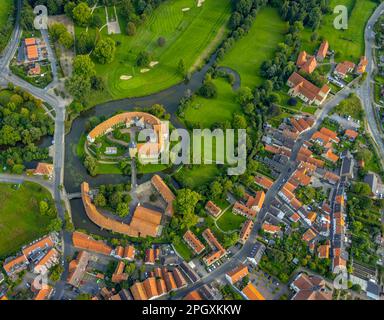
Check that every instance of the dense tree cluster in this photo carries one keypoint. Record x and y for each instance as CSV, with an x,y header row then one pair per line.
x,y
309,12
23,124
244,12
114,197
83,78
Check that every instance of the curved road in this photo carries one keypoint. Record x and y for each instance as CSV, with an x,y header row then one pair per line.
x,y
365,91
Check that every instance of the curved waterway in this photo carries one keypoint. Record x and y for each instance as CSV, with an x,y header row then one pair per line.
x,y
75,172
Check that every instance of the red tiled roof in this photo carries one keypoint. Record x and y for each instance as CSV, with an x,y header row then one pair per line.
x,y
251,292
193,242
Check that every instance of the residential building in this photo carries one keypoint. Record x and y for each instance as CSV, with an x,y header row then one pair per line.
x,y
246,231
165,192
323,50
256,254
77,268
44,169
195,244
361,67
237,274
85,242
310,288
343,68
213,209
250,292
307,91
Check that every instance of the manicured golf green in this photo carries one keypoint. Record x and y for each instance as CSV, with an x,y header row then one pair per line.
x,y
20,219
348,44
190,35
257,46
205,112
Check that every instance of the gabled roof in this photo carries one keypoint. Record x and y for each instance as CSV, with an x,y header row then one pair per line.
x,y
251,292
309,235
238,273
323,49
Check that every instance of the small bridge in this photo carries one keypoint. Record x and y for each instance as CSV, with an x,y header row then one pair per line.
x,y
72,196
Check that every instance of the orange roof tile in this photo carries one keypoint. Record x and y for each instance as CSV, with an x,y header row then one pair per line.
x,y
212,208
251,292
193,242
246,230
238,273
309,235
352,134
45,169
85,242
270,228
193,295
165,192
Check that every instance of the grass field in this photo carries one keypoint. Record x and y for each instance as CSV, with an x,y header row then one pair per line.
x,y
5,8
230,221
197,176
258,45
348,44
208,111
20,219
190,35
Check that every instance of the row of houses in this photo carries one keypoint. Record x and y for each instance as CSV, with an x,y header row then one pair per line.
x,y
39,256
217,251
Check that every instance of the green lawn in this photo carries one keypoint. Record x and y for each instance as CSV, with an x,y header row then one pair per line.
x,y
230,221
197,176
191,35
258,45
205,112
20,219
183,250
348,44
6,7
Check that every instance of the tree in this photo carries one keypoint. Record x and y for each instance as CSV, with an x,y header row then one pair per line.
x,y
78,86
143,59
161,41
82,14
66,40
43,207
181,68
186,201
361,188
208,90
239,122
91,165
131,29
55,225
56,30
100,200
245,96
18,169
105,51
84,66
122,209
216,190
84,43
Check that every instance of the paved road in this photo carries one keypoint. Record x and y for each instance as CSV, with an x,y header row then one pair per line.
x,y
365,91
59,105
241,255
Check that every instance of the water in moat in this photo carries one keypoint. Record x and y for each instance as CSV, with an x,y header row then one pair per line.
x,y
75,172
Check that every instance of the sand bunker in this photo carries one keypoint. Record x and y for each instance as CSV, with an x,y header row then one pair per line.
x,y
144,70
153,63
200,3
125,77
185,9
